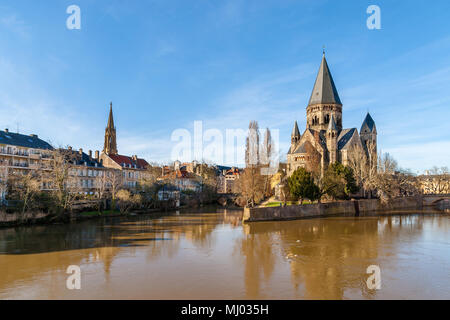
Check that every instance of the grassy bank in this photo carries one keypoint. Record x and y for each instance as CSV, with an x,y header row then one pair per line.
x,y
289,203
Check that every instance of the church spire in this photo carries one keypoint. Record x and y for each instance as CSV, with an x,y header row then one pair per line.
x,y
368,125
111,118
295,131
110,146
295,136
324,89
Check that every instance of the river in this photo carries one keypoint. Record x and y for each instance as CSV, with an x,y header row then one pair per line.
x,y
211,255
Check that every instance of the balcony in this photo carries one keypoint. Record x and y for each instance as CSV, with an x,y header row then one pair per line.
x,y
14,153
35,156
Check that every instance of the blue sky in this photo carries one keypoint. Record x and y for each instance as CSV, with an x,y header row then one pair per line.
x,y
165,64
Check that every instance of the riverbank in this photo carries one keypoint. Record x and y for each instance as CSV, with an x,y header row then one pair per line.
x,y
322,210
8,220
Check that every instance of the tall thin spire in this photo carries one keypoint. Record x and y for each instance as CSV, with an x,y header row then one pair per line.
x,y
110,146
111,118
324,89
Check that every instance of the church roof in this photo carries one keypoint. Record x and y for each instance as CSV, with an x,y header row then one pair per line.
x,y
324,89
295,131
300,149
317,135
129,161
344,137
369,122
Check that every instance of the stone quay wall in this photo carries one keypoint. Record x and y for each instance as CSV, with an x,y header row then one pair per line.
x,y
321,210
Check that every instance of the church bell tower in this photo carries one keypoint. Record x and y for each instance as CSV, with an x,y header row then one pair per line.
x,y
110,146
324,102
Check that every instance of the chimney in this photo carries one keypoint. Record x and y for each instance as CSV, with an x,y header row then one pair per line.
x,y
81,151
33,135
90,154
97,155
6,130
69,148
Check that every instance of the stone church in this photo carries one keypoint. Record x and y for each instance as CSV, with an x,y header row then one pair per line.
x,y
133,168
324,136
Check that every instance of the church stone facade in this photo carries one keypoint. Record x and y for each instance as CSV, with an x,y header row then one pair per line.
x,y
324,134
133,168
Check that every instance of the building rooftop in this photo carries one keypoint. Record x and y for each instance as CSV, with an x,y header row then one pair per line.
x,y
344,137
22,140
135,162
82,159
324,90
368,121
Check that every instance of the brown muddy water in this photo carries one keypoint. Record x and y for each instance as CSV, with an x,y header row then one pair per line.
x,y
211,255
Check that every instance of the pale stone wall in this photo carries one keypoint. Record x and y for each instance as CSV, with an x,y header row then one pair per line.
x,y
328,209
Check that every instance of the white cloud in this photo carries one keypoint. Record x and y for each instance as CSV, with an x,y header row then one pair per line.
x,y
13,23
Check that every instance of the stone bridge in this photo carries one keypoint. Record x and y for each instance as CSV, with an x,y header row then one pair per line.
x,y
226,198
436,199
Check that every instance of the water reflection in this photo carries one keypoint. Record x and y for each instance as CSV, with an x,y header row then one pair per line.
x,y
210,255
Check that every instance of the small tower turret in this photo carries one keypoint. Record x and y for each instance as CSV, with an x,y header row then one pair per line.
x,y
331,137
368,135
295,136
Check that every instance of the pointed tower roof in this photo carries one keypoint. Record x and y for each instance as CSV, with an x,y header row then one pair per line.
x,y
332,125
324,89
368,121
295,131
111,118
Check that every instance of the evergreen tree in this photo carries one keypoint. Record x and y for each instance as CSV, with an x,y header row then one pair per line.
x,y
339,181
302,186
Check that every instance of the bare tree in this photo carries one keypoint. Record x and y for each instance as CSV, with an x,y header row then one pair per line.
x,y
391,181
101,187
61,179
251,181
114,182
252,145
437,182
364,166
266,160
149,186
25,187
207,178
126,200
